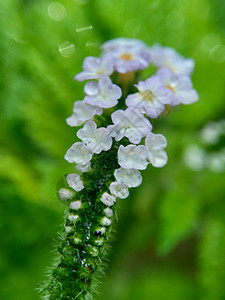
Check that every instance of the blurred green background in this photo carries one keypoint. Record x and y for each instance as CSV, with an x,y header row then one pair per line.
x,y
170,241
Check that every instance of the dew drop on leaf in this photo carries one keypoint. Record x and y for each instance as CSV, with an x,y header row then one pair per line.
x,y
67,49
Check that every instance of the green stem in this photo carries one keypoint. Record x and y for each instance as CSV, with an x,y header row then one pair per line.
x,y
85,235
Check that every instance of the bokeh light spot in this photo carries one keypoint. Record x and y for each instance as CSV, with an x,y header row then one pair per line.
x,y
218,53
67,49
92,43
56,11
194,158
210,41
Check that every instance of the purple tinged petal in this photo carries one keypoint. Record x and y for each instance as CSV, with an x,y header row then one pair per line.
x,y
95,68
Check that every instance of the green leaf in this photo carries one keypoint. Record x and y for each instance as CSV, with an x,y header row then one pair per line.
x,y
178,216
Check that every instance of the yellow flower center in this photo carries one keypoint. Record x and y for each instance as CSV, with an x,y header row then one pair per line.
x,y
126,56
171,88
147,95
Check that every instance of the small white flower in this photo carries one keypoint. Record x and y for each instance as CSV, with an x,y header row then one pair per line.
x,y
105,221
130,177
75,204
68,229
168,57
95,68
103,94
77,241
108,212
133,157
99,242
83,168
82,112
73,218
117,43
119,190
129,123
93,251
95,139
156,154
75,182
78,153
127,54
151,98
65,194
180,85
108,199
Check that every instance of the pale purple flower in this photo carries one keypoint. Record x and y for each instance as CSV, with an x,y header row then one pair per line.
x,y
95,68
130,177
78,153
180,85
127,54
82,112
133,157
151,98
129,123
117,43
168,57
155,143
103,94
95,139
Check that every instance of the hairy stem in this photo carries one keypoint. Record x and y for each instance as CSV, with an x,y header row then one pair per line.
x,y
85,234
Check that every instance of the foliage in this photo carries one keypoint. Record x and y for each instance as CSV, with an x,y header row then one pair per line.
x,y
170,234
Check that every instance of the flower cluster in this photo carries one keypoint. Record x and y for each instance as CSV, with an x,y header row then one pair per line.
x,y
130,124
117,140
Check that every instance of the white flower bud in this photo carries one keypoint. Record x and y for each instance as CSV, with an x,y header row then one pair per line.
x,y
130,177
108,199
75,204
108,212
68,229
73,218
75,182
119,190
105,221
65,194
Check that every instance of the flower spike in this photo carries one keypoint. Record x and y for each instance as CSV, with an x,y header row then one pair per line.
x,y
116,142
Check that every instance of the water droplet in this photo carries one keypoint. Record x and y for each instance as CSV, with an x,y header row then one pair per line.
x,y
218,53
210,40
91,88
56,11
84,28
92,44
67,49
